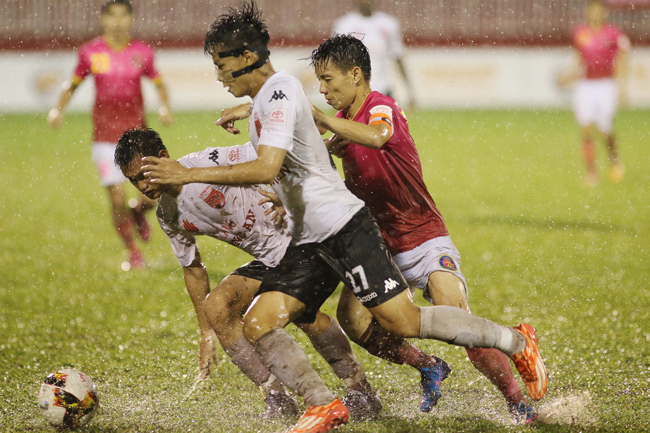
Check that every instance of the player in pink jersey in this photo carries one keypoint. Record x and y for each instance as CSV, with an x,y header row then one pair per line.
x,y
382,167
117,63
600,69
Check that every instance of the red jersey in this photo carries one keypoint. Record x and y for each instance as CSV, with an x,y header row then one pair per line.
x,y
598,48
118,102
389,180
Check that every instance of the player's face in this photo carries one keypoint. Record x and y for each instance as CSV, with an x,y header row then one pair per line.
x,y
134,173
117,20
337,86
225,66
595,14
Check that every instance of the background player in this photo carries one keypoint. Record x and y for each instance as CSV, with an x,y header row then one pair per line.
x,y
381,33
117,63
601,68
382,167
333,237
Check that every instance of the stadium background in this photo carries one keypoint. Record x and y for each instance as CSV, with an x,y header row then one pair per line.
x,y
466,53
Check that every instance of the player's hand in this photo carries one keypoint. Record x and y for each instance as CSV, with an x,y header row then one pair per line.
x,y
230,115
164,171
208,353
55,117
336,145
165,115
319,116
276,212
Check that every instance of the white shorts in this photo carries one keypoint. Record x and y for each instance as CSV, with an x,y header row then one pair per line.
x,y
595,102
437,254
104,158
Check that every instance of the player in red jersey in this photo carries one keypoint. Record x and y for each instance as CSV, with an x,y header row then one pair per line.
x,y
117,63
601,72
382,167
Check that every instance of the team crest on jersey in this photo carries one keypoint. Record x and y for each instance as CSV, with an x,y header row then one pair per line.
x,y
215,199
447,262
190,227
100,63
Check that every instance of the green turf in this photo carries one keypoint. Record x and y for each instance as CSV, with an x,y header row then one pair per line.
x,y
537,246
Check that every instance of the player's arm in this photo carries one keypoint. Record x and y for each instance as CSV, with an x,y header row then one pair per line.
x,y
197,283
264,169
373,135
55,115
164,110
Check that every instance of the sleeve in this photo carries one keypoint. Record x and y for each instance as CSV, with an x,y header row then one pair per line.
x,y
234,154
83,66
278,114
382,114
184,246
149,67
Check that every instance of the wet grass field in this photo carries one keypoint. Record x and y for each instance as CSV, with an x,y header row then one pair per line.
x,y
537,246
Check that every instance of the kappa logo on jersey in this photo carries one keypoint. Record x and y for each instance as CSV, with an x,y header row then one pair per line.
x,y
389,285
277,95
214,156
447,263
215,199
189,226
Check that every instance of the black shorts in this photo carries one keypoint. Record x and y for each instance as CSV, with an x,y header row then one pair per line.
x,y
356,255
254,270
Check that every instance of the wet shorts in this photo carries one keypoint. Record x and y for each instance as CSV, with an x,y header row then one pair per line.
x,y
103,155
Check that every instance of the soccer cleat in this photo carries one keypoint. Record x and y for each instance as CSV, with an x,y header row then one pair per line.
x,y
144,229
523,413
279,404
431,378
362,405
616,173
321,419
529,363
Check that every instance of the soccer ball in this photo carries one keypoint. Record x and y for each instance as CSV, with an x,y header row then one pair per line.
x,y
68,398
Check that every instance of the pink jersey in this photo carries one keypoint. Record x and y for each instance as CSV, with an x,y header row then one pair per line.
x,y
598,49
118,102
389,180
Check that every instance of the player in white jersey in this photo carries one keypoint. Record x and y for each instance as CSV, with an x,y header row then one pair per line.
x,y
334,237
242,217
382,34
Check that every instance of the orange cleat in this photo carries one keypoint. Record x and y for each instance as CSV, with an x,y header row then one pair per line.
x,y
529,363
321,419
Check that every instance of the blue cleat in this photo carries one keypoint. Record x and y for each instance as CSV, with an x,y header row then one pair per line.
x,y
523,413
431,378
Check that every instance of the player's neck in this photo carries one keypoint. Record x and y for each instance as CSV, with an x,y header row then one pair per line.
x,y
117,41
358,102
261,76
174,190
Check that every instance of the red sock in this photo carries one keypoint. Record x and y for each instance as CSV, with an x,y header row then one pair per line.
x,y
125,230
495,365
379,342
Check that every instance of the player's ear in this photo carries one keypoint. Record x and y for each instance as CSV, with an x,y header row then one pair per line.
x,y
250,57
163,153
357,75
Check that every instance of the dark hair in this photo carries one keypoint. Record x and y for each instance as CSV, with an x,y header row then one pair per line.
x,y
137,143
237,29
109,3
345,52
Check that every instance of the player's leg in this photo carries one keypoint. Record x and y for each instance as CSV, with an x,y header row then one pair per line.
x,y
359,255
139,208
360,326
294,290
224,308
331,343
113,180
607,111
584,111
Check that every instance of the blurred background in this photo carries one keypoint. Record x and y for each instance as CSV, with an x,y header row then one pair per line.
x,y
462,53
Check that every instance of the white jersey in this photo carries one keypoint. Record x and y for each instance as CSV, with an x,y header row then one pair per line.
x,y
225,212
308,184
381,34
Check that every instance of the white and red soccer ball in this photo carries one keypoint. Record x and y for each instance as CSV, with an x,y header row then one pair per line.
x,y
68,398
